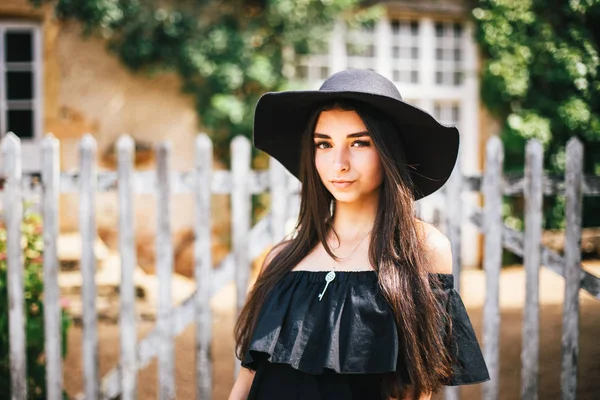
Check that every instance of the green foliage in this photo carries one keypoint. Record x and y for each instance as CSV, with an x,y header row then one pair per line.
x,y
227,53
32,244
541,77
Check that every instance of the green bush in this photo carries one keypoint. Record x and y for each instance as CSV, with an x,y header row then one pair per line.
x,y
33,279
541,78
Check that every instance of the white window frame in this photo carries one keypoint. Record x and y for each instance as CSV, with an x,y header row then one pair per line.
x,y
36,104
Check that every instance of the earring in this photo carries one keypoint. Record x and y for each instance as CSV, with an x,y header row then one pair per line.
x,y
331,207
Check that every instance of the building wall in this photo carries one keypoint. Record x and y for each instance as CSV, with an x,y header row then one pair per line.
x,y
87,90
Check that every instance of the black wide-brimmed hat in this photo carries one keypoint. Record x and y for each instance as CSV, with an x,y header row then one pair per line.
x,y
431,148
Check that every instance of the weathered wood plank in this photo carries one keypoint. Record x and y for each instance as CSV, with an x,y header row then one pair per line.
x,y
258,181
87,227
183,182
513,240
240,219
453,214
184,314
13,216
492,192
552,185
50,149
454,219
127,248
532,257
294,199
164,272
573,209
278,190
203,269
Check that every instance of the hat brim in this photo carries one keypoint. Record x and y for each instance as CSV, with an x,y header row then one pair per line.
x,y
431,148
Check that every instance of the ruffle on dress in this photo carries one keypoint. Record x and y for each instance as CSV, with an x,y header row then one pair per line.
x,y
469,366
351,330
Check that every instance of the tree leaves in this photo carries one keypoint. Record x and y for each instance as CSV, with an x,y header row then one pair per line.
x,y
540,78
227,53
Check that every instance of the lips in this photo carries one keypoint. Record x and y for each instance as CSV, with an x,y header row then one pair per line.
x,y
341,184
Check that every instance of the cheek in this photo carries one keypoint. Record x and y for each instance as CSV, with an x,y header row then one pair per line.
x,y
375,171
320,165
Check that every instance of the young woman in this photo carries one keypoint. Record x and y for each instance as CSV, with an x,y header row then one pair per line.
x,y
359,303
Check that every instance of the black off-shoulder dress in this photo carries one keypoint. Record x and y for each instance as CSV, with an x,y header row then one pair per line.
x,y
341,346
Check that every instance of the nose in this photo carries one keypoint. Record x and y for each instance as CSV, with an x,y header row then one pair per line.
x,y
340,159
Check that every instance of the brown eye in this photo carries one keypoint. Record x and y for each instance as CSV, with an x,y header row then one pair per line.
x,y
361,143
322,145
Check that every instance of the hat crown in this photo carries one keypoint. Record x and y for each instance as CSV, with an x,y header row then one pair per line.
x,y
362,81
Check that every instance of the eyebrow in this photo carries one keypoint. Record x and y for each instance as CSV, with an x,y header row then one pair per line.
x,y
351,135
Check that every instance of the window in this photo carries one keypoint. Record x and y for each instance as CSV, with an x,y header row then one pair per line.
x,y
448,53
447,113
20,88
315,67
405,51
360,47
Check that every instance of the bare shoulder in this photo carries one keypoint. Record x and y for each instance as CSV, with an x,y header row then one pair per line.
x,y
273,252
437,246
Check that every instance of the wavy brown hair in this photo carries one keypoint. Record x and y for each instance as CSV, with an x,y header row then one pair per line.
x,y
396,251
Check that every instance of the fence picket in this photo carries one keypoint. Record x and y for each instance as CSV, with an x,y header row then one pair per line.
x,y
13,215
492,192
531,260
570,333
248,243
453,214
87,227
127,248
50,148
240,219
203,270
164,272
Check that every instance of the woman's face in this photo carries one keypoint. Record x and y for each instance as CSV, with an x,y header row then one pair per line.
x,y
345,156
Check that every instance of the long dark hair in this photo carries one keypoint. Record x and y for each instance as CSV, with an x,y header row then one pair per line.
x,y
396,251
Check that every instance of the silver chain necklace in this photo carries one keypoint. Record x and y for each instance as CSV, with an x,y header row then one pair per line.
x,y
331,274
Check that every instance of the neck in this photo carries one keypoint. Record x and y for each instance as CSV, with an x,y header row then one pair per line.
x,y
354,219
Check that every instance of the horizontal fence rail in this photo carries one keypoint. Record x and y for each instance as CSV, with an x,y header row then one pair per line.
x,y
248,242
258,182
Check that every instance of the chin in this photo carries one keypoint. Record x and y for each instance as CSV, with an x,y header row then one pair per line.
x,y
345,197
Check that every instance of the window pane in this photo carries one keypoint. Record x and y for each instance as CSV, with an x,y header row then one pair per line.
x,y
457,54
324,72
457,30
455,114
302,72
414,53
414,28
439,54
439,79
19,85
21,122
19,46
457,78
439,29
414,76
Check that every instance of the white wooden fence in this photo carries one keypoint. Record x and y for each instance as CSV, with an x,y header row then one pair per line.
x,y
248,242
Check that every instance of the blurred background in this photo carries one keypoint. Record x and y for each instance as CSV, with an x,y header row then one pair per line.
x,y
165,70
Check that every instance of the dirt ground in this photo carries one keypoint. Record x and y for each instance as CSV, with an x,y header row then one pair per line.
x,y
511,299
